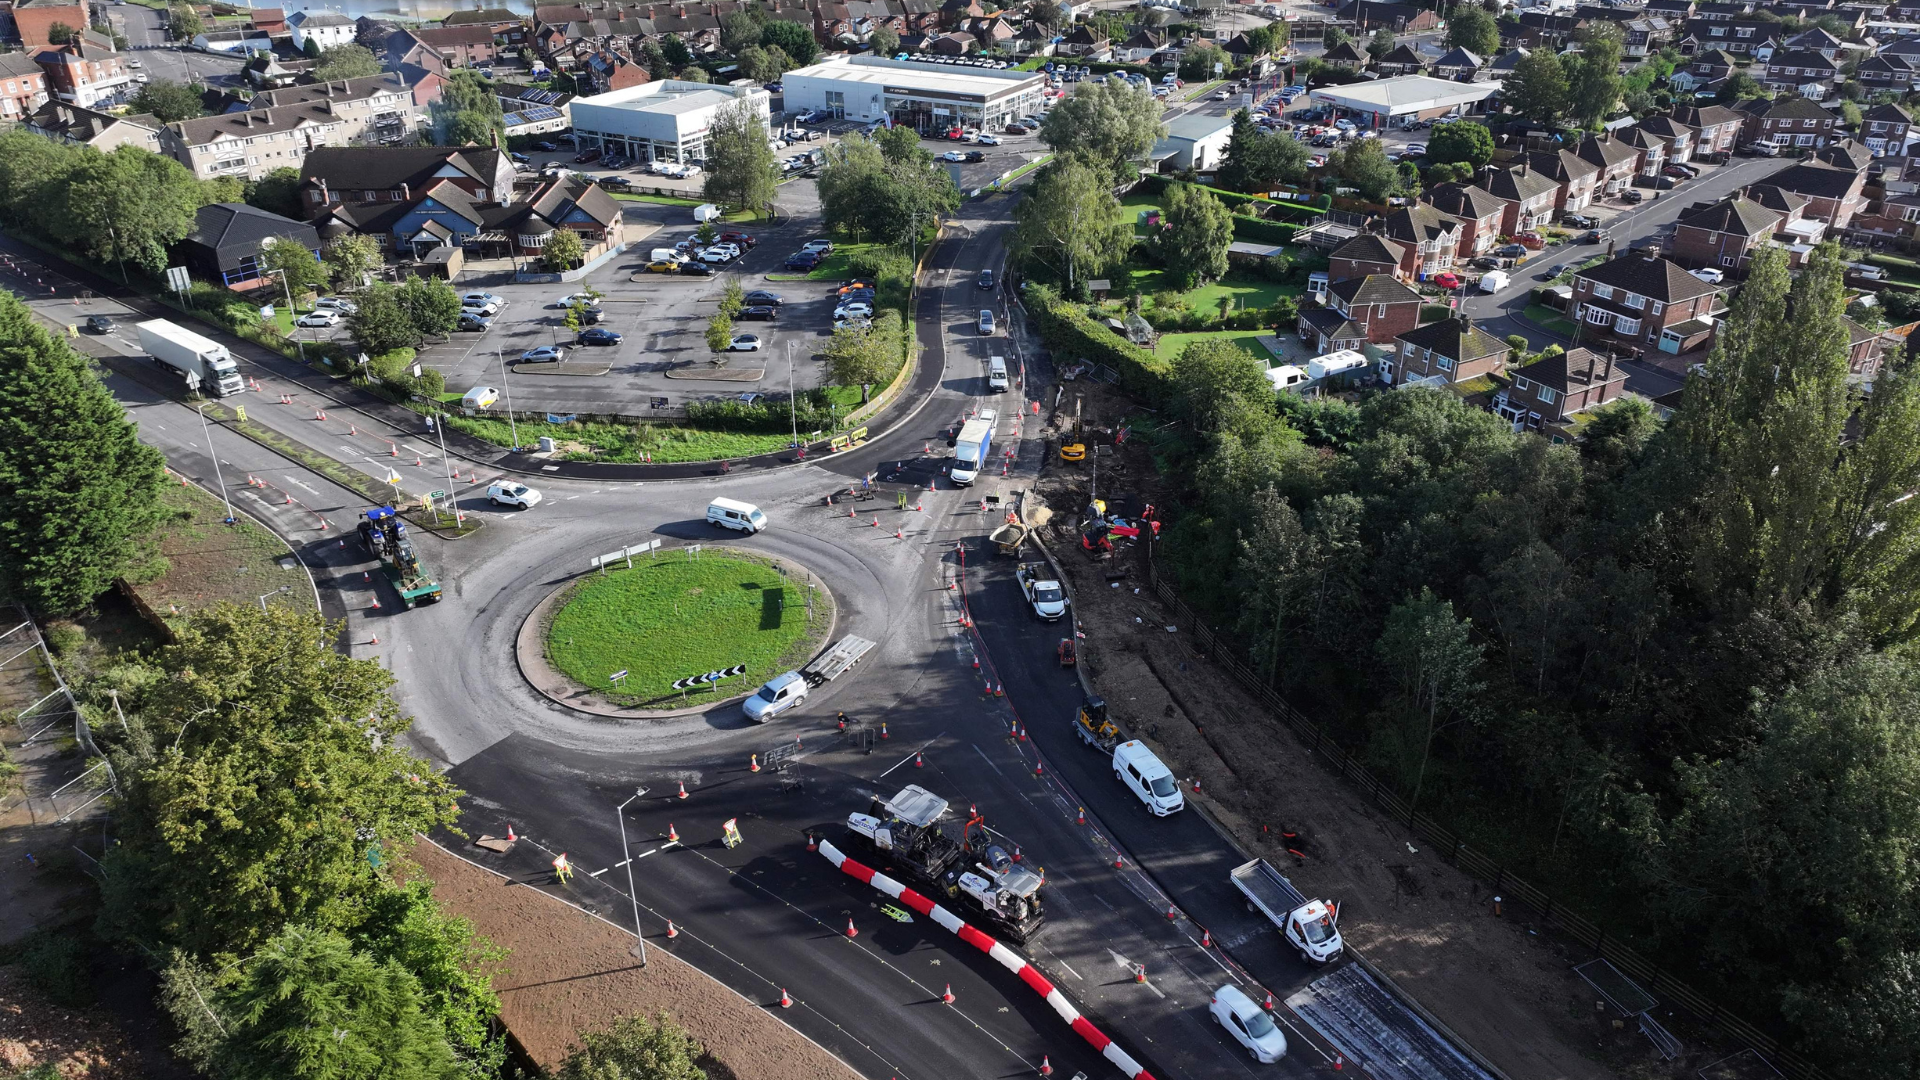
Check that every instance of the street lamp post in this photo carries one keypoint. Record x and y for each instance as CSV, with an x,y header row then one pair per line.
x,y
217,478
793,418
291,322
639,943
440,429
507,389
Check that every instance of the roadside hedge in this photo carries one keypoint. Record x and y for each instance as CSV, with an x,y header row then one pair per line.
x,y
1073,334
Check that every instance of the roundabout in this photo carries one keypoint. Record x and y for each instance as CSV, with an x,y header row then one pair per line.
x,y
686,630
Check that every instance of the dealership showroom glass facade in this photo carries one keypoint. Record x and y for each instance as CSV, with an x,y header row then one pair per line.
x,y
930,98
666,120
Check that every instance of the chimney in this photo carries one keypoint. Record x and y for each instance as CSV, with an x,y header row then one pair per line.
x,y
406,192
326,198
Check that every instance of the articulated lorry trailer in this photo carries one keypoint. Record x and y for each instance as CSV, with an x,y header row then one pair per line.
x,y
204,363
904,833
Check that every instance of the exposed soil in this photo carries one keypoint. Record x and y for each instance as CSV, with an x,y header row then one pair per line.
x,y
1504,986
568,972
79,1042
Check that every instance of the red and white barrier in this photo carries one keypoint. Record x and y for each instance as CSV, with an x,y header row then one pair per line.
x,y
1006,957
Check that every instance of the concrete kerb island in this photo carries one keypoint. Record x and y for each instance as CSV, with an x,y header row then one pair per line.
x,y
530,648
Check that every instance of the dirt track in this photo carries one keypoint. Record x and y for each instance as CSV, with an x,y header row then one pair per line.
x,y
568,971
1506,991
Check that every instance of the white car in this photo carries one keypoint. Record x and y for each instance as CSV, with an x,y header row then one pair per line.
x,y
484,310
989,140
335,303
859,309
782,692
318,318
512,493
953,155
571,299
744,343
1709,275
853,322
1249,1024
1417,149
718,256
481,299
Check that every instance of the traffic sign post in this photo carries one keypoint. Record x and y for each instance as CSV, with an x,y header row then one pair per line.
x,y
617,678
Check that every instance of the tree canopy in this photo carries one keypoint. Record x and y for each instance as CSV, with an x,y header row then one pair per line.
x,y
740,163
1109,125
792,38
884,188
1474,30
1261,161
346,62
1068,222
1461,140
1197,232
1537,88
168,101
467,112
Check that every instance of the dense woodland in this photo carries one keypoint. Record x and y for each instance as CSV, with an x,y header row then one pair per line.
x,y
1670,671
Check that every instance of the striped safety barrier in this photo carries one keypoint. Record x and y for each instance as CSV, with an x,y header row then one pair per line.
x,y
1006,957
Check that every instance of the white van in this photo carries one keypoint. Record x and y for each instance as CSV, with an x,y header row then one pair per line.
x,y
668,255
997,375
706,212
1147,778
734,514
782,692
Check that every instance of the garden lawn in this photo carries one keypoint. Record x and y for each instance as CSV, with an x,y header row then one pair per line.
x,y
209,561
677,617
1550,320
1172,345
1131,206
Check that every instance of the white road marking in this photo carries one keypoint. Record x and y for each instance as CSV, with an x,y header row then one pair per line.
x,y
988,760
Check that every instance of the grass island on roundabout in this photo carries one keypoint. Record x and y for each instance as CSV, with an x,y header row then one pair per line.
x,y
682,614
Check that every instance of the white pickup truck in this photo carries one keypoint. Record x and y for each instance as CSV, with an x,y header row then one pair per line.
x,y
1048,598
1311,926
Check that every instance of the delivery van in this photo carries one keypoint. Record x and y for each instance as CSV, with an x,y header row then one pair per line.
x,y
997,375
1149,780
734,514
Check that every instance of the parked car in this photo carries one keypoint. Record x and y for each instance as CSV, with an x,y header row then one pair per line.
x,y
989,140
1760,149
1417,149
585,156
1447,280
739,238
762,296
975,156
953,155
545,147
1679,172
1867,272
663,266
484,308
744,343
1578,221
335,303
859,308
852,322
804,260
696,269
1511,251
1530,240
1631,195
599,335
545,354
518,157
1709,275
824,247
586,299
474,322
760,313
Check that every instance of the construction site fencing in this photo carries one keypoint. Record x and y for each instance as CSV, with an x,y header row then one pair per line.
x,y
1504,883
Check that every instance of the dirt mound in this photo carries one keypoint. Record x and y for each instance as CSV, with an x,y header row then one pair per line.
x,y
80,1043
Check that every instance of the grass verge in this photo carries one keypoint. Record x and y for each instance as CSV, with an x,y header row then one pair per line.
x,y
665,443
209,561
1550,320
732,216
679,616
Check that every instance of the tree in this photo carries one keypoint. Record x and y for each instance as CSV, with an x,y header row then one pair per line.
x,y
1381,43
654,59
454,965
278,192
310,1007
1197,235
676,51
346,62
738,32
886,43
740,165
719,332
1537,89
221,189
1214,382
858,358
312,48
1260,161
378,323
885,188
32,168
1364,164
1333,37
59,33
289,260
1850,115
1461,140
764,65
1068,223
1475,31
350,258
1108,125
1593,75
563,252
83,492
276,768
794,39
1741,86
431,304
127,206
633,1048
184,23
1202,61
1434,662
692,75
168,101
468,113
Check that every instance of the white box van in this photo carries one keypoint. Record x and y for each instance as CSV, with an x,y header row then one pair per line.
x,y
997,375
668,255
1147,778
734,514
706,212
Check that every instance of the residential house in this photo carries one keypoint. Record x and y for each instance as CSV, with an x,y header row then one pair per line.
x,y
1368,253
1431,239
1633,299
1797,233
1347,56
1651,148
1529,197
1547,395
1646,35
508,29
103,131
1502,66
374,107
1723,235
1545,30
1792,121
442,48
243,42
23,87
347,176
1816,39
1723,9
1712,65
1369,15
1674,11
1575,178
1800,71
1677,140
1401,60
1833,191
227,241
1615,159
425,85
1887,71
1886,129
326,29
1379,307
1718,127
1452,351
1136,49
32,22
1751,38
270,21
1458,65
1084,43
85,71
1867,349
1480,213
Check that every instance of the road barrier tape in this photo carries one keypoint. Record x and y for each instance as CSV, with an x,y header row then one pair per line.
x,y
1006,957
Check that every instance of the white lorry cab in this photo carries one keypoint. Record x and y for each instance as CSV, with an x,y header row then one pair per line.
x,y
1147,778
736,515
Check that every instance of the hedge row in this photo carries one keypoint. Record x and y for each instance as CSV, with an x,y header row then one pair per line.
x,y
1259,229
1072,334
1158,186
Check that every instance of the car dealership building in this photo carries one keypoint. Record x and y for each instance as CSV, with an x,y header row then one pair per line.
x,y
664,120
928,97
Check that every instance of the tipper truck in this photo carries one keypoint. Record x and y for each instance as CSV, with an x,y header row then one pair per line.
x,y
1312,926
193,356
904,832
385,535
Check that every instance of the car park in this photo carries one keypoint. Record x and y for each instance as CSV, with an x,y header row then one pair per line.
x,y
545,354
599,335
1709,275
477,299
744,343
1248,1023
474,322
760,313
762,296
335,303
512,493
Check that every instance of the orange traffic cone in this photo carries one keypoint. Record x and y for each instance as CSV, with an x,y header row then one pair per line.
x,y
510,837
1206,939
1082,819
671,931
1046,1067
786,1002
948,995
918,761
683,789
755,765
851,932
673,835
883,729
812,844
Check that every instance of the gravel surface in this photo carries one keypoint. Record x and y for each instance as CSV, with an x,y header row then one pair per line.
x,y
568,971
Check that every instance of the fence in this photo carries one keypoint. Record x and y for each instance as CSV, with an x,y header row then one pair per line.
x,y
51,785
1456,851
